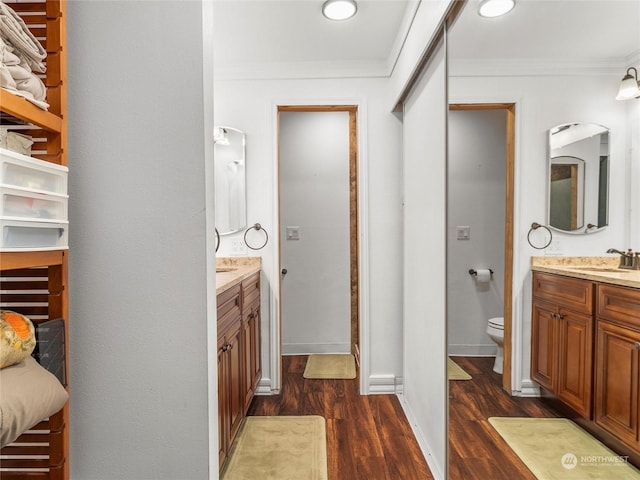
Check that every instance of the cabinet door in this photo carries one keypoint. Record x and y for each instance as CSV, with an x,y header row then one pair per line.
x,y
575,362
617,367
223,401
236,391
251,349
256,359
544,339
247,378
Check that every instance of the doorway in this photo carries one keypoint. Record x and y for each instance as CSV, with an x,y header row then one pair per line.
x,y
509,150
318,229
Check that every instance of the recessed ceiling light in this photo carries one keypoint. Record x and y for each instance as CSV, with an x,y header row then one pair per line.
x,y
339,9
495,8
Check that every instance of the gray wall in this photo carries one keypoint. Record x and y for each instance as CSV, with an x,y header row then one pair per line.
x,y
314,196
137,241
476,168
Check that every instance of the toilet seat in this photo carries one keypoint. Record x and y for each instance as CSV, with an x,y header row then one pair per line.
x,y
497,322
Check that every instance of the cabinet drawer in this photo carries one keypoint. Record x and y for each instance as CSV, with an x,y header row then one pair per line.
x,y
619,304
251,289
567,292
228,306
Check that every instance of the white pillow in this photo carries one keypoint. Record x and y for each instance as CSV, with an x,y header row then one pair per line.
x,y
28,395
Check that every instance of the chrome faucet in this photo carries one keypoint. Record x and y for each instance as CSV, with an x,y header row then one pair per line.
x,y
628,259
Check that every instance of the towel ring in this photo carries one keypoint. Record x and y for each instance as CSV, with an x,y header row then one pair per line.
x,y
257,227
535,226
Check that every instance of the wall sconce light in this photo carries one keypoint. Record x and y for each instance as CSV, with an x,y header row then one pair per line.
x,y
339,9
629,87
495,8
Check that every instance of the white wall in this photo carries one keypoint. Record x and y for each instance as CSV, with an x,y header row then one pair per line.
x,y
314,198
137,266
633,163
541,103
476,194
250,105
425,292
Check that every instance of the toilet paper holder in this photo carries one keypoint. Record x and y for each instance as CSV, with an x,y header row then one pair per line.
x,y
473,272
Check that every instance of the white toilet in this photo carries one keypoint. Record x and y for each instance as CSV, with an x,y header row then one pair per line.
x,y
495,330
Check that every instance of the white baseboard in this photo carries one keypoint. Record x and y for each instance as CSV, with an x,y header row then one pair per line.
x,y
382,384
310,348
264,387
528,388
437,473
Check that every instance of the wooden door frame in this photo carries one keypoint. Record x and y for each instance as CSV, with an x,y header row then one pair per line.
x,y
354,228
510,109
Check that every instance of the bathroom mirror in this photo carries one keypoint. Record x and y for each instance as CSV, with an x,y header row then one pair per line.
x,y
230,180
578,178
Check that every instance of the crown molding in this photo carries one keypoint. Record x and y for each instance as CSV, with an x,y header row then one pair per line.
x,y
302,70
534,67
634,58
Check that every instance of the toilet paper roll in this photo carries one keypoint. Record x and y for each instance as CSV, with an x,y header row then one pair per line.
x,y
483,275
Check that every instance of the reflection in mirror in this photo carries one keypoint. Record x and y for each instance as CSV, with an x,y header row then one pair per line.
x,y
566,193
578,177
230,180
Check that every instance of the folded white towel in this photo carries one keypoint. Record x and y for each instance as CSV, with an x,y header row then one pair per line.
x,y
16,76
15,31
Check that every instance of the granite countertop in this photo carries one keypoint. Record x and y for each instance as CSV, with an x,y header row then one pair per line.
x,y
231,271
596,269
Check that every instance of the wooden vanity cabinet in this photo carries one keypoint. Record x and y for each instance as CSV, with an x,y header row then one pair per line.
x,y
562,339
251,336
617,389
230,391
239,363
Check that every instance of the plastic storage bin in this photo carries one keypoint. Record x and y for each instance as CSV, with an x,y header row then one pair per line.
x,y
20,236
24,204
17,170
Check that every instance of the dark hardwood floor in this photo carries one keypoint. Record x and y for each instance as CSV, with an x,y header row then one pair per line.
x,y
368,437
476,450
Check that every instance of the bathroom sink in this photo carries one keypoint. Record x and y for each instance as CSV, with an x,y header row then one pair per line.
x,y
225,269
601,269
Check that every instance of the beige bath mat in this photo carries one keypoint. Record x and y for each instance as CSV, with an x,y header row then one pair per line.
x,y
279,448
456,372
558,449
328,366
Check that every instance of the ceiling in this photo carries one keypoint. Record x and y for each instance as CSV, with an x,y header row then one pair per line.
x,y
291,38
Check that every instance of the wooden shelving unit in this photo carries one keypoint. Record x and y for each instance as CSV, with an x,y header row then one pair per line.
x,y
46,455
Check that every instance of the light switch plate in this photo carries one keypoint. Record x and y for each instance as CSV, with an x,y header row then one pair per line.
x,y
463,232
292,233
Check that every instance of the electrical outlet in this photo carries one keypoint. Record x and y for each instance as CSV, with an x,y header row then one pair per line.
x,y
554,248
238,247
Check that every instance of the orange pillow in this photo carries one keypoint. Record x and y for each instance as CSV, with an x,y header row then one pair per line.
x,y
17,338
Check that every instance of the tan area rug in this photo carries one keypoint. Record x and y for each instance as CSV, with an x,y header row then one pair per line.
x,y
327,366
558,449
455,371
279,448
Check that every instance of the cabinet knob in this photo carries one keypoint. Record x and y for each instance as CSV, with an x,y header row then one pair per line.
x,y
559,316
284,272
637,346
